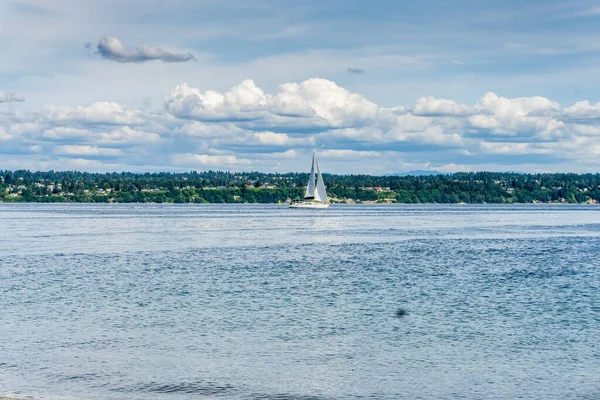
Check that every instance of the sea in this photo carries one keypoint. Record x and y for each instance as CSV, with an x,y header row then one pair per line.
x,y
163,301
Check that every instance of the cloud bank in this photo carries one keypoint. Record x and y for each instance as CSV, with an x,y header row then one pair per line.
x,y
111,48
246,128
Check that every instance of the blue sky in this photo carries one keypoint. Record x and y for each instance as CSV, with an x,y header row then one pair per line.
x,y
375,87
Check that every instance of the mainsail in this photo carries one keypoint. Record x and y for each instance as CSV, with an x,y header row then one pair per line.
x,y
316,187
310,188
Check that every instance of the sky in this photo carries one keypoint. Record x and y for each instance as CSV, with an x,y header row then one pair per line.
x,y
373,87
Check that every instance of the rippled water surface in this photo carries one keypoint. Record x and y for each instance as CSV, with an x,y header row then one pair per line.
x,y
263,302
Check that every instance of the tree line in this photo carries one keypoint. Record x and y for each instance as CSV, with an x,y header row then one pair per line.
x,y
257,187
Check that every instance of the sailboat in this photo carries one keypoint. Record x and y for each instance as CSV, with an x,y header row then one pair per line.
x,y
315,195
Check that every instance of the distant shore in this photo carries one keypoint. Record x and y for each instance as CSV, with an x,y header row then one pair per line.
x,y
286,203
260,188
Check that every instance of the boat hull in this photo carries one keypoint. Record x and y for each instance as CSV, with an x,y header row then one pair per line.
x,y
308,204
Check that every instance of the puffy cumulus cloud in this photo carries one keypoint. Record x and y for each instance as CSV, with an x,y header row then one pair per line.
x,y
11,97
582,111
312,105
483,122
516,116
430,106
111,48
503,107
247,128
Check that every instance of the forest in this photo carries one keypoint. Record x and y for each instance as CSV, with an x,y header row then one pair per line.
x,y
257,187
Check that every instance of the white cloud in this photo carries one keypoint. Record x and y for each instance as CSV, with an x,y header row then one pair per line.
x,y
585,130
503,107
362,134
278,139
433,134
350,154
209,160
25,128
102,112
287,154
483,122
511,148
80,164
11,97
62,132
127,135
203,130
313,104
452,168
430,106
4,135
84,150
248,127
581,111
281,139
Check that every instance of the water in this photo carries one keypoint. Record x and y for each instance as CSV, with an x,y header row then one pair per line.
x,y
263,302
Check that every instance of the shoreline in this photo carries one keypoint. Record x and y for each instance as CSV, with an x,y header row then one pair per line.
x,y
350,203
16,398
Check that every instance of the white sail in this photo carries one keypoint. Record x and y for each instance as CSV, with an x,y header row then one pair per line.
x,y
320,194
310,188
315,196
